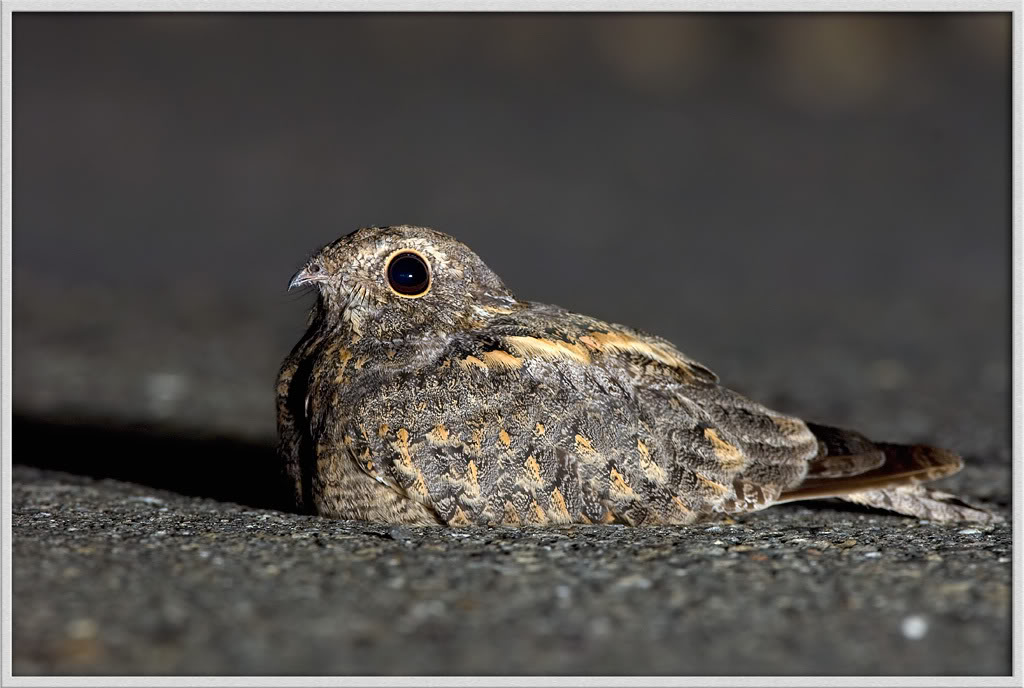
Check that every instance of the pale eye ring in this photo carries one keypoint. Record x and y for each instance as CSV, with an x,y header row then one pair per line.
x,y
408,273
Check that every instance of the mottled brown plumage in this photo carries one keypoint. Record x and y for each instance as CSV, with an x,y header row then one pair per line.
x,y
425,392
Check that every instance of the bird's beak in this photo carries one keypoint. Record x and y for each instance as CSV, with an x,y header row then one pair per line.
x,y
303,277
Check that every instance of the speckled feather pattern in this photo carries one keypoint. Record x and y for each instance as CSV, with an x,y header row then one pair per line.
x,y
466,406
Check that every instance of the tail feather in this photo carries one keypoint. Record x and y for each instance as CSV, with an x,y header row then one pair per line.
x,y
923,502
882,475
902,465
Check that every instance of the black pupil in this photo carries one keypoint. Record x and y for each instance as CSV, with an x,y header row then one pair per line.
x,y
408,274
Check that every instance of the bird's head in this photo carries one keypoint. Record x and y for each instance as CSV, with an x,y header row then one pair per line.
x,y
393,280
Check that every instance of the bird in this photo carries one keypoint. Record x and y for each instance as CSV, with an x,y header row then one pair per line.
x,y
424,392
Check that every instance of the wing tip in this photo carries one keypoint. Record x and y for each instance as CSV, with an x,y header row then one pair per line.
x,y
904,464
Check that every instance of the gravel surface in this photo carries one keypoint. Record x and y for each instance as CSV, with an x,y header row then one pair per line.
x,y
816,208
115,578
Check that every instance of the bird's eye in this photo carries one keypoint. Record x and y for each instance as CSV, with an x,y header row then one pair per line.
x,y
408,274
313,269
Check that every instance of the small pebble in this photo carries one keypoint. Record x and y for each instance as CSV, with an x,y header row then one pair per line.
x,y
914,627
400,534
428,608
634,581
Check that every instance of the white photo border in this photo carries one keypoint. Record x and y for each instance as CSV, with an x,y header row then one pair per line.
x,y
1017,298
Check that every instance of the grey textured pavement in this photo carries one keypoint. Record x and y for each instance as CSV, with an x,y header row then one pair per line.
x,y
133,580
818,209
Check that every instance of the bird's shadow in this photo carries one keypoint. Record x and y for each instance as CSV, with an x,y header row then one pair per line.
x,y
190,463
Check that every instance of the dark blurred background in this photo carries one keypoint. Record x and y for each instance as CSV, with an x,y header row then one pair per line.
x,y
815,205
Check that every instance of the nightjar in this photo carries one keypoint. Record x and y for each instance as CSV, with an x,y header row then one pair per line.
x,y
425,392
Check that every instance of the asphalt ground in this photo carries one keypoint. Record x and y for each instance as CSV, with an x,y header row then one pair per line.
x,y
114,578
834,244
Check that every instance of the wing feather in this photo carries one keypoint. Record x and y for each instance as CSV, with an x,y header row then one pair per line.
x,y
584,422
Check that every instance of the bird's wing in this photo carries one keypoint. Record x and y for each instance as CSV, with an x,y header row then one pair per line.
x,y
292,391
289,430
546,416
